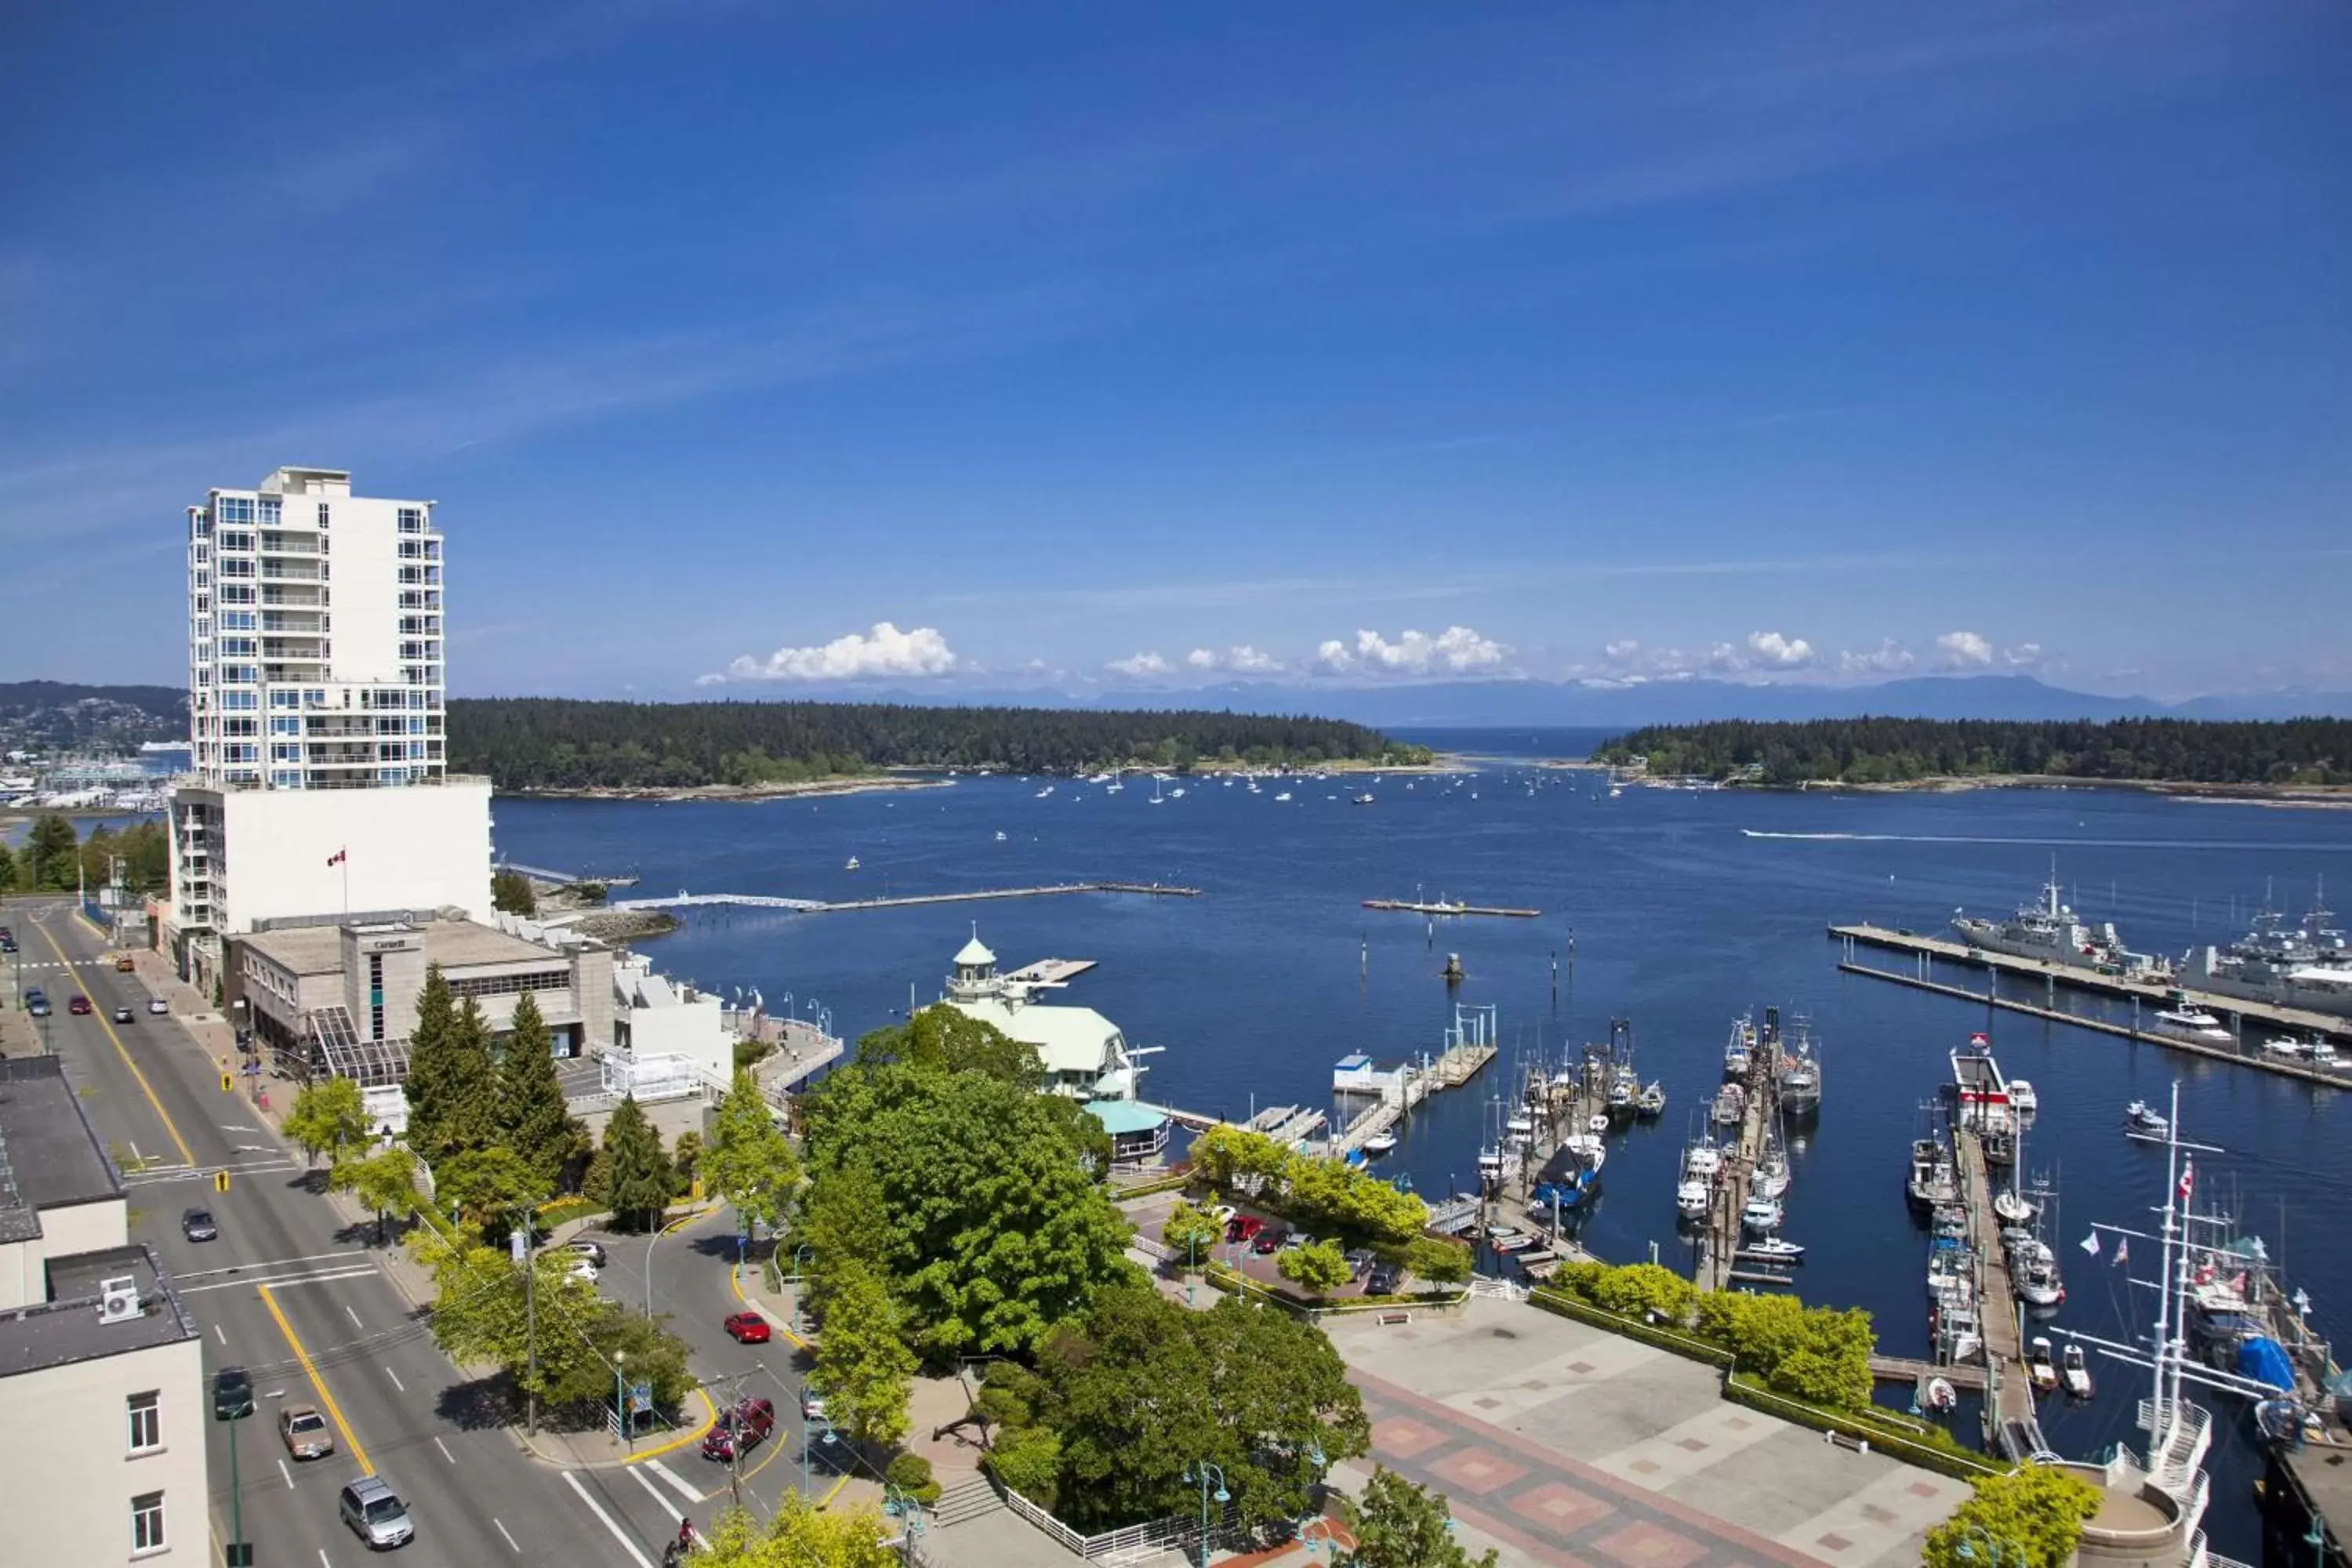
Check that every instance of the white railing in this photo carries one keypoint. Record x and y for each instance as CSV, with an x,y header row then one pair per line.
x,y
1116,1546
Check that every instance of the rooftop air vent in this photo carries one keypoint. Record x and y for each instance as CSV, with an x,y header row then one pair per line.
x,y
118,1300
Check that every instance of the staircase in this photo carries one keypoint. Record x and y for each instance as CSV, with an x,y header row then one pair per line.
x,y
966,1500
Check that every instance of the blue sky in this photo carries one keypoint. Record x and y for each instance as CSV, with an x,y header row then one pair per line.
x,y
1104,347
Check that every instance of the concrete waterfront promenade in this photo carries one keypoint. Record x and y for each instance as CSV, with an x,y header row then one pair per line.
x,y
1559,1443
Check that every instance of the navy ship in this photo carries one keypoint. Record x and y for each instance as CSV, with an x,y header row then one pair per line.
x,y
2052,932
2308,964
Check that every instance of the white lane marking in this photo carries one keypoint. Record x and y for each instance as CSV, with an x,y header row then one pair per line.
x,y
236,1127
354,1317
136,1157
221,1335
286,1473
654,1492
502,1530
396,1380
283,1280
322,1559
274,1263
440,1445
572,1481
666,1473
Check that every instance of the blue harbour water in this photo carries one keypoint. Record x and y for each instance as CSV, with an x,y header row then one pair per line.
x,y
1685,909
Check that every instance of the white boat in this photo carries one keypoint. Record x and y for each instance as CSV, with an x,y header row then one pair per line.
x,y
2039,1364
1597,1122
1703,1160
1942,1395
1281,797
2022,1099
1740,1050
1047,790
2193,1022
1773,1249
1692,1196
2010,1207
1772,1174
2034,1274
1490,1166
1157,798
1519,1126
1762,1214
2140,1117
1000,836
1588,1148
1367,798
853,864
1379,1144
1176,793
2074,1373
1513,1243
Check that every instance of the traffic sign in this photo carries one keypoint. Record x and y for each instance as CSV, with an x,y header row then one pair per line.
x,y
641,1398
220,1181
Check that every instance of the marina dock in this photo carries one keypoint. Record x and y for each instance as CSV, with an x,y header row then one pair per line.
x,y
1718,1265
1927,950
1456,1066
1998,1312
1050,971
1412,907
684,899
1910,1370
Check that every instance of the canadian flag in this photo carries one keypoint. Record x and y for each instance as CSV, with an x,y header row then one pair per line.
x,y
2188,1177
338,856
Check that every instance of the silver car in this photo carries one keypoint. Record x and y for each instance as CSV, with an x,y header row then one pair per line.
x,y
376,1514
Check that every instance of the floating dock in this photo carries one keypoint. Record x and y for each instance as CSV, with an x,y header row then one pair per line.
x,y
1050,971
1719,1244
1998,1312
1928,950
1911,1371
1412,907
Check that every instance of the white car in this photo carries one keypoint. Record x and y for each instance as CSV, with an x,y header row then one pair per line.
x,y
1223,1212
157,1005
584,1271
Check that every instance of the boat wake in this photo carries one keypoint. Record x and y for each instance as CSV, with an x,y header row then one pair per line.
x,y
2046,843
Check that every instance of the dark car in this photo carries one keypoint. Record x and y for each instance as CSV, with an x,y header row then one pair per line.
x,y
1383,1281
197,1224
124,1014
1241,1227
1269,1241
7,943
80,1005
747,1329
1360,1262
37,1004
740,1429
232,1393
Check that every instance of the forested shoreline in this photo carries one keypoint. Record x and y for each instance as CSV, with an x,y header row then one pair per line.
x,y
1902,750
555,743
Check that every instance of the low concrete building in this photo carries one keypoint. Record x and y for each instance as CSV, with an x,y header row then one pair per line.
x,y
335,1000
655,1016
101,1361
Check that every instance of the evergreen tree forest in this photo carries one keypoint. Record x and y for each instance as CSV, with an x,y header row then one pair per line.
x,y
1895,751
535,743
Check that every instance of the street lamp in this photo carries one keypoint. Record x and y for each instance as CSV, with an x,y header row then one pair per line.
x,y
621,1402
1198,1472
813,1430
907,1511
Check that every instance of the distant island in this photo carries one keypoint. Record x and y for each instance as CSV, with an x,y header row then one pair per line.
x,y
548,745
2301,754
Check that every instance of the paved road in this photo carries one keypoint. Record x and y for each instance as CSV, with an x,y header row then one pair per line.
x,y
294,1293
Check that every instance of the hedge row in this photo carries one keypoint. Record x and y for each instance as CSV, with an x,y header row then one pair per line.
x,y
1883,1436
1556,1301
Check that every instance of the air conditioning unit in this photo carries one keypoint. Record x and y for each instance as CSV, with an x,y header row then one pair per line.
x,y
118,1300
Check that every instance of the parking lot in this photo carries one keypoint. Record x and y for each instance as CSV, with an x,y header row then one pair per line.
x,y
1150,1214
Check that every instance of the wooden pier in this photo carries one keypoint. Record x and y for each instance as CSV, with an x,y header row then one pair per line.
x,y
1718,1244
1412,907
2210,1050
1912,1371
1997,1310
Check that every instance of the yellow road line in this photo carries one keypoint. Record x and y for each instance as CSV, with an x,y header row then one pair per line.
x,y
827,1501
318,1384
144,1087
735,1283
711,1419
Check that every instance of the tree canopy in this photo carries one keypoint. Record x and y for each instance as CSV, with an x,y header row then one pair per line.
x,y
800,1536
1889,750
532,1119
561,743
1402,1525
452,1084
642,1180
749,1163
327,1116
2036,1509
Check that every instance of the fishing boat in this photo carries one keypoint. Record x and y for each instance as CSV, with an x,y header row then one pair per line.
x,y
1692,1196
1702,1161
2143,1120
1800,1073
2074,1373
1587,1147
1653,1104
1934,1179
1570,1180
1520,1126
1772,1249
2023,1098
1772,1177
1490,1166
1981,1095
2041,1366
1740,1050
2034,1273
1761,1214
1730,1104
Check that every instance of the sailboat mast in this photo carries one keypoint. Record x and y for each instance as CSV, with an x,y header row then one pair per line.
x,y
2169,1398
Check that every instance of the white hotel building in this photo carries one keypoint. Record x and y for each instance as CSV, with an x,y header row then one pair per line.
x,y
317,696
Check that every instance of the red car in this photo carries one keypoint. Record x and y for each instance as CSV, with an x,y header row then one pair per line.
x,y
79,1005
739,1429
1269,1241
747,1329
1241,1227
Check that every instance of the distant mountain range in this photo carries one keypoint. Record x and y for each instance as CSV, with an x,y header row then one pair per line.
x,y
54,715
1469,703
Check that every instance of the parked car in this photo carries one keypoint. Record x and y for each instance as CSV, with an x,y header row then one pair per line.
x,y
737,1430
1268,1241
582,1270
1360,1261
304,1432
78,1006
747,1329
1383,1280
812,1406
124,1014
375,1513
593,1251
157,1005
196,1225
1224,1214
232,1393
123,966
1296,1239
1243,1227
7,943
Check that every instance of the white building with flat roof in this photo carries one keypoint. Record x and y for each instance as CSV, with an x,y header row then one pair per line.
x,y
317,706
1084,1053
101,1363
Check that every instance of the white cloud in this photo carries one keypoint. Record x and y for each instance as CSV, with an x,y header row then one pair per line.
x,y
2022,655
1964,650
1889,657
1141,664
1241,658
1777,652
886,651
1202,658
1622,650
1454,651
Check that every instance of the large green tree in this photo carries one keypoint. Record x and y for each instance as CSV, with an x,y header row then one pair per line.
x,y
994,1227
750,1162
532,1119
863,1367
1145,1387
944,1038
385,1182
2033,1516
512,893
1400,1525
8,869
800,1535
642,1180
52,854
328,1116
1318,1269
452,1083
484,1189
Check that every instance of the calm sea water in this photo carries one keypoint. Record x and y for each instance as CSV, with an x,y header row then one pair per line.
x,y
1681,920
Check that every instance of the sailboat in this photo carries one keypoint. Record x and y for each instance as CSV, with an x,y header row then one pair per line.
x,y
1157,798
